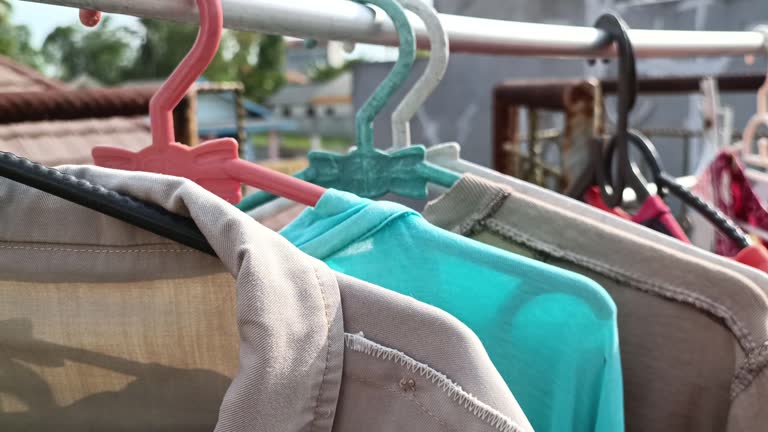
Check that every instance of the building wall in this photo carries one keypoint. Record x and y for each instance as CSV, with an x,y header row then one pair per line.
x,y
213,110
460,109
322,108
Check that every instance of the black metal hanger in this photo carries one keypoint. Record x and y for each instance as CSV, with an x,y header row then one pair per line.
x,y
138,213
668,183
612,186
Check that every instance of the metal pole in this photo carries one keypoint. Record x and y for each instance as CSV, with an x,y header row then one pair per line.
x,y
346,20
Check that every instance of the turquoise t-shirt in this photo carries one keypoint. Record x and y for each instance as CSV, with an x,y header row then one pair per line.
x,y
551,333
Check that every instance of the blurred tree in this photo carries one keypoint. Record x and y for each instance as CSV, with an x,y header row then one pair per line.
x,y
103,53
163,46
266,76
253,59
321,73
15,39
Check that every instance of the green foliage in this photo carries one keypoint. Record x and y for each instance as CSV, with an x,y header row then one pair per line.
x,y
163,47
301,143
103,53
255,60
265,77
324,73
111,54
15,40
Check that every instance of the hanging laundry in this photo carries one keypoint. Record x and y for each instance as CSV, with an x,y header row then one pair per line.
x,y
685,325
754,256
654,213
448,156
551,333
725,184
105,326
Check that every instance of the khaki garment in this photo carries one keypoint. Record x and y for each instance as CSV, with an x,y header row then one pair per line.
x,y
106,327
447,155
692,335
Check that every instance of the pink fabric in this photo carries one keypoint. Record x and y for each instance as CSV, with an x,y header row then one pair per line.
x,y
593,198
654,213
725,185
754,256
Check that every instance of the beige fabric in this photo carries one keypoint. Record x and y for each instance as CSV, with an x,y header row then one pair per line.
x,y
106,327
277,214
448,156
692,335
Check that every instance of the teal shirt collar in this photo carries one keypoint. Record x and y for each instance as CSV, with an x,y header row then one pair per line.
x,y
339,219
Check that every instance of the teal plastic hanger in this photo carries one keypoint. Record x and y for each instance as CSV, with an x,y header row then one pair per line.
x,y
367,171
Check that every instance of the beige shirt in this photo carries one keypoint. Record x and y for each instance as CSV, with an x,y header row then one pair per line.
x,y
104,326
692,335
448,156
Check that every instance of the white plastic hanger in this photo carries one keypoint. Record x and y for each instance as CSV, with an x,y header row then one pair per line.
x,y
434,73
759,159
445,155
720,120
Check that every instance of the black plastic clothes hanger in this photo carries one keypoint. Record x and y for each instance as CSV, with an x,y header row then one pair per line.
x,y
668,183
138,213
612,186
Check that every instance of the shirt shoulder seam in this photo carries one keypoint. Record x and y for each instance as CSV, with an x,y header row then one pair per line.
x,y
757,355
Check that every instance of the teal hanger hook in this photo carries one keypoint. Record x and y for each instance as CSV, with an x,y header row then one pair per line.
x,y
367,171
394,80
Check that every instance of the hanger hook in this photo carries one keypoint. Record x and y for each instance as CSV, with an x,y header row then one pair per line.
x,y
761,116
617,32
395,78
429,80
665,181
90,17
189,70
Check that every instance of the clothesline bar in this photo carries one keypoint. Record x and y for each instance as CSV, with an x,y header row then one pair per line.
x,y
345,20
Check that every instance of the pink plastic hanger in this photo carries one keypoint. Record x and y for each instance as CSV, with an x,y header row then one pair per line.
x,y
214,164
90,17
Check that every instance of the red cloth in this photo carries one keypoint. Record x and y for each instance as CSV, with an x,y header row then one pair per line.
x,y
654,213
732,193
593,198
754,256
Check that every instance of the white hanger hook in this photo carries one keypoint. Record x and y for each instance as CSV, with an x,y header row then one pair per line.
x,y
438,63
760,117
762,94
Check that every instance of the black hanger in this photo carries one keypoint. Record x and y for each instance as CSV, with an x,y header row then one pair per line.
x,y
138,213
612,186
667,182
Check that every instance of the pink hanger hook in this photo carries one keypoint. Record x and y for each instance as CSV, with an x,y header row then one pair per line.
x,y
214,164
90,17
191,68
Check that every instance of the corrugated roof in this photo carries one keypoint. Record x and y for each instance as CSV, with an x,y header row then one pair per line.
x,y
71,141
18,78
62,141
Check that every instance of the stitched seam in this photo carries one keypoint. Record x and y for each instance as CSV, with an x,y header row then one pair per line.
x,y
622,276
327,319
496,201
502,423
112,251
421,406
363,237
752,366
744,376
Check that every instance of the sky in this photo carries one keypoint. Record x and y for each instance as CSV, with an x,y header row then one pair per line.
x,y
42,18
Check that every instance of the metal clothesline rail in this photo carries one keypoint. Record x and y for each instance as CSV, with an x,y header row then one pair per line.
x,y
345,20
